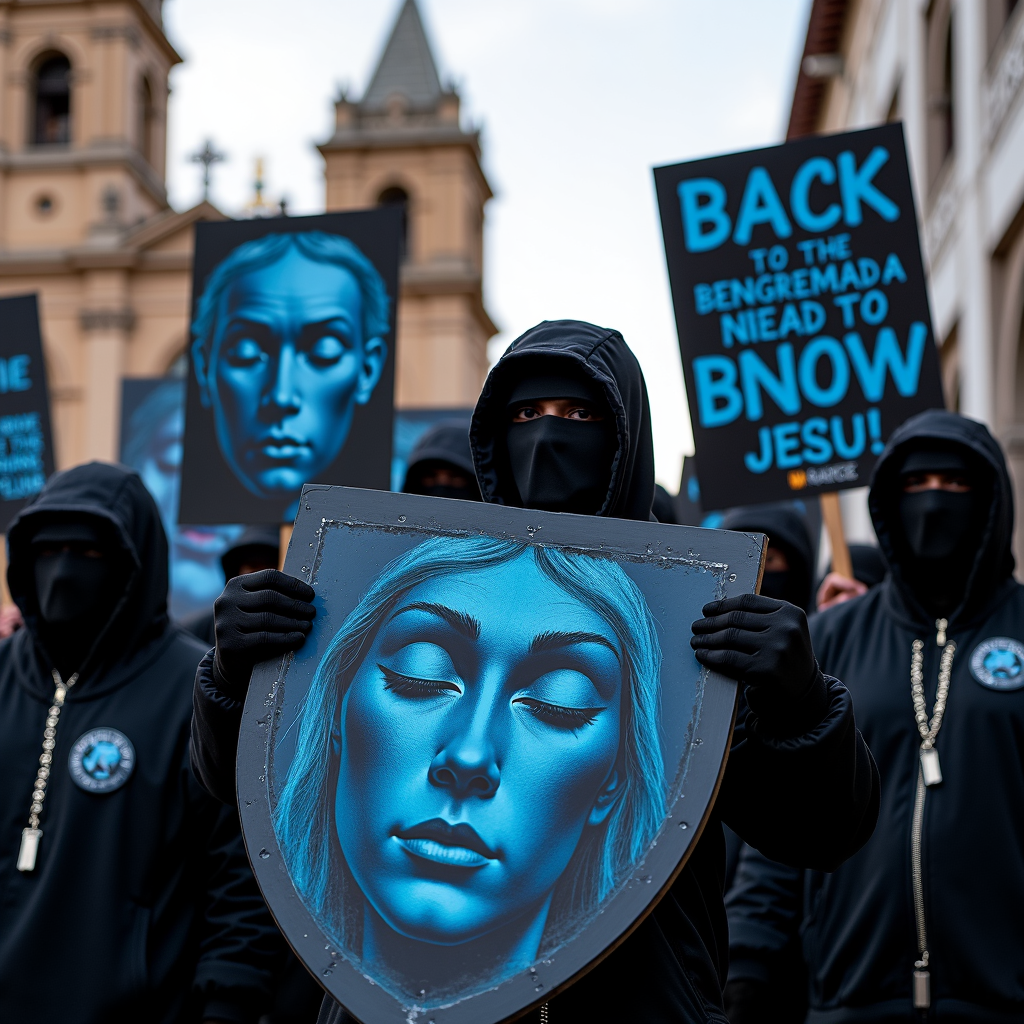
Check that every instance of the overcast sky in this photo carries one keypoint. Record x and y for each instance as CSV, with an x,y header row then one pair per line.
x,y
577,99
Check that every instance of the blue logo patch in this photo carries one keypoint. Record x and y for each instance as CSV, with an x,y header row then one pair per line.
x,y
101,760
998,663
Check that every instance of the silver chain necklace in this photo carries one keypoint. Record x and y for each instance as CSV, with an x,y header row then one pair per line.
x,y
30,836
929,774
929,730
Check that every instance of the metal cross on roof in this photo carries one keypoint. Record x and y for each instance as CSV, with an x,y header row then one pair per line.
x,y
207,156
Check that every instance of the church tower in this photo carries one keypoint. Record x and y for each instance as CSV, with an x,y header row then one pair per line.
x,y
82,119
84,218
403,143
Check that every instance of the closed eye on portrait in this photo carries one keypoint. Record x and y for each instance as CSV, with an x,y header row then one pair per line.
x,y
246,343
560,717
325,343
416,688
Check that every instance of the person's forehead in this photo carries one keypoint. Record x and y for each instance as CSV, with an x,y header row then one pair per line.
x,y
514,598
295,284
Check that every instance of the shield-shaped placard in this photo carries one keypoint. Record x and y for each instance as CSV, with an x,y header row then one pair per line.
x,y
494,752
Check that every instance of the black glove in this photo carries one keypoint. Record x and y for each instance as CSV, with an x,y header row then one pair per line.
x,y
258,616
763,643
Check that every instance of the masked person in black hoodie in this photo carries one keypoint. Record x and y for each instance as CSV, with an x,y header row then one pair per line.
x,y
563,425
126,892
925,921
441,464
257,548
789,563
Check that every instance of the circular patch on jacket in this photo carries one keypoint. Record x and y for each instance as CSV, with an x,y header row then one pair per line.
x,y
998,663
101,760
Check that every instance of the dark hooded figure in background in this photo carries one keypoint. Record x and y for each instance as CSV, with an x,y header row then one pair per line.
x,y
257,548
563,425
441,464
127,892
925,921
789,563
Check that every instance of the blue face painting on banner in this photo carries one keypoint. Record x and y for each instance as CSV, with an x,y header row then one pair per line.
x,y
454,810
801,309
538,737
290,340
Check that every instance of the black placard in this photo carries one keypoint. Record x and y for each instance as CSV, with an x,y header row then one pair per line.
x,y
494,751
292,355
801,309
26,441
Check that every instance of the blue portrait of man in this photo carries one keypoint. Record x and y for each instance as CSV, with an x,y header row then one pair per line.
x,y
289,339
470,785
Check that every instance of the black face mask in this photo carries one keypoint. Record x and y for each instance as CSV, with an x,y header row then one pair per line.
x,y
562,465
937,524
776,584
73,590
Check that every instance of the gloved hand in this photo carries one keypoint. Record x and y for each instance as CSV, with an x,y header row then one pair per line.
x,y
258,616
761,642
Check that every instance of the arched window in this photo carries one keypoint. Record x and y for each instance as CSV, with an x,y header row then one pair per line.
x,y
146,121
941,88
51,124
395,196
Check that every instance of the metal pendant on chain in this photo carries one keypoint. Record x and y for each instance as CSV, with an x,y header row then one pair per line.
x,y
30,836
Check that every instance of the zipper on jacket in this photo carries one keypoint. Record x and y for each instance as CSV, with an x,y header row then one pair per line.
x,y
543,1013
922,976
928,774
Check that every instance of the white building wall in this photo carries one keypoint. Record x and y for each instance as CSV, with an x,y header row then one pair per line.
x,y
971,214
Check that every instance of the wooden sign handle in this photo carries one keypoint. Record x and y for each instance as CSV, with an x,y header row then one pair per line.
x,y
286,536
5,594
833,516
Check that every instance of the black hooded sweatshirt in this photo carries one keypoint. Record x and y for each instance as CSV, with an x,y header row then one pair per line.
x,y
142,905
810,798
447,441
859,930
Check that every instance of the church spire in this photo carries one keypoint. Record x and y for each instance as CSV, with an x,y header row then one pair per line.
x,y
406,67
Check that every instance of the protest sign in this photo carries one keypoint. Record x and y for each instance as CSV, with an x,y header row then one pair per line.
x,y
292,357
443,809
801,310
26,442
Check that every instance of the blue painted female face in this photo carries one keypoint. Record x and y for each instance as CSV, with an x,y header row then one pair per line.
x,y
478,740
288,366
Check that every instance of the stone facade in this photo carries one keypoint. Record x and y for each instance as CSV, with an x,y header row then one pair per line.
x,y
85,223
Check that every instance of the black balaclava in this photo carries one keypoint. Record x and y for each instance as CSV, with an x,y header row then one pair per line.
x,y
787,531
784,584
76,592
444,446
940,529
415,482
558,464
